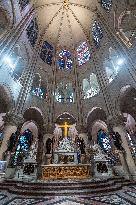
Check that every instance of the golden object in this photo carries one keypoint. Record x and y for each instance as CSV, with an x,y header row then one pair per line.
x,y
65,126
65,171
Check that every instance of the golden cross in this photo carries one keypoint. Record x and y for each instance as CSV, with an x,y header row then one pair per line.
x,y
65,126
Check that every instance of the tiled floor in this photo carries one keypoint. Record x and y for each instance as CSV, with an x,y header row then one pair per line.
x,y
126,196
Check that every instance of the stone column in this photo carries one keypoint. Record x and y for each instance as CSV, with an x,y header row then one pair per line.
x,y
77,95
128,162
31,69
14,34
8,130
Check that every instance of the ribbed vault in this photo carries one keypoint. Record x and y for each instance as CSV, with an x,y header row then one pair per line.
x,y
68,22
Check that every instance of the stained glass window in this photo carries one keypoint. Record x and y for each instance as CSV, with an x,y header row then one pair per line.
x,y
47,53
22,148
127,27
23,3
106,4
32,32
97,34
65,60
103,141
64,93
39,92
90,86
83,54
113,65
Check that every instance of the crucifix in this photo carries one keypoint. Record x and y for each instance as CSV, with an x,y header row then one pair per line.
x,y
65,126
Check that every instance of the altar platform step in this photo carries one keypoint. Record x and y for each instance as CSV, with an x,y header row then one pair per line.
x,y
65,187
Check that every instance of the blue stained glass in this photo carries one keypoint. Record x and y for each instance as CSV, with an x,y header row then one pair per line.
x,y
39,92
65,60
61,63
83,54
97,34
22,148
47,53
103,141
106,4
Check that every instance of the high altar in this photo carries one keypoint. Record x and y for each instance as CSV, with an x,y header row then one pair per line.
x,y
67,151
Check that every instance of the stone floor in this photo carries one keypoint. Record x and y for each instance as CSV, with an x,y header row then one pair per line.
x,y
126,196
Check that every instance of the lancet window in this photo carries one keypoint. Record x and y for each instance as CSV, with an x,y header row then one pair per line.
x,y
83,54
90,86
23,147
32,32
97,34
65,60
64,92
113,65
103,141
106,4
39,89
47,53
127,27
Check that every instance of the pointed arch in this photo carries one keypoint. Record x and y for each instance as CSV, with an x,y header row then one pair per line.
x,y
34,114
127,100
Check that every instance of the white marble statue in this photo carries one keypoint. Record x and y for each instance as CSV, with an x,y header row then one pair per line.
x,y
65,146
73,133
98,154
33,150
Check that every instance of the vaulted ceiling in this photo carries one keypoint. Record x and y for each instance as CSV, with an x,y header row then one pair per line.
x,y
65,23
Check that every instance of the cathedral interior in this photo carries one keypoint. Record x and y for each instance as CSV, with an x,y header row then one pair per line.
x,y
68,102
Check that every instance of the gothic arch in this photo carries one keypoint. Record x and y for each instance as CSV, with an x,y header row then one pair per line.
x,y
94,115
130,123
32,126
127,100
90,86
34,114
98,125
65,117
6,99
126,27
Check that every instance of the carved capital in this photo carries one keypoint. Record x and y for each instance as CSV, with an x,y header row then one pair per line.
x,y
13,119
